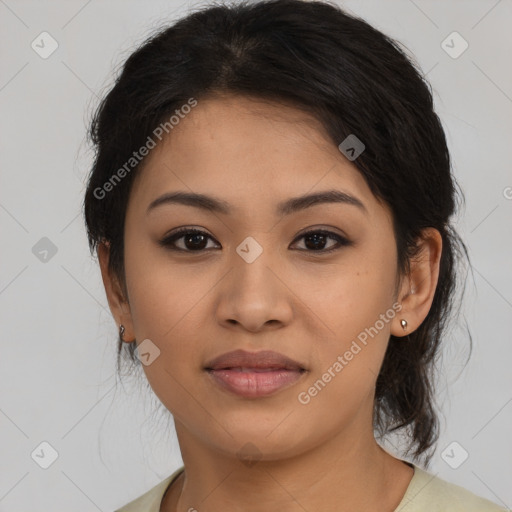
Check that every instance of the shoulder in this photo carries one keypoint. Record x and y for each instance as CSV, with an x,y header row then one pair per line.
x,y
151,500
427,492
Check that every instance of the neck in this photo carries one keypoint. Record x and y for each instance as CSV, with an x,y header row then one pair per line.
x,y
345,473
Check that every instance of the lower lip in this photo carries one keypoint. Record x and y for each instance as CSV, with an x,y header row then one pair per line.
x,y
253,384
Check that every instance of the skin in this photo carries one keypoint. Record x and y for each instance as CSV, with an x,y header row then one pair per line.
x,y
292,299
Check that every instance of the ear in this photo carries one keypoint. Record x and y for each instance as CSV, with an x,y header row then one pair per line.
x,y
418,289
117,302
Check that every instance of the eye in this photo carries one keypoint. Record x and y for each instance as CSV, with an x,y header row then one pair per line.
x,y
195,240
315,240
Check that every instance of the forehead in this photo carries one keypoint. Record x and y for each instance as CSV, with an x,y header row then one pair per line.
x,y
249,152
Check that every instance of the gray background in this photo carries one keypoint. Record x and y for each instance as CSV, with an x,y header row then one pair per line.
x,y
57,379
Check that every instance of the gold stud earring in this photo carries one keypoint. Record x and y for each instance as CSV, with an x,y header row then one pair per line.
x,y
403,323
121,332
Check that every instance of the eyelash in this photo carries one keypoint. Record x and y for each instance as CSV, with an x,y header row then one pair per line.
x,y
172,238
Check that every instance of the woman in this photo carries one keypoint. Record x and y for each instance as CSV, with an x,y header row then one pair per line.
x,y
270,203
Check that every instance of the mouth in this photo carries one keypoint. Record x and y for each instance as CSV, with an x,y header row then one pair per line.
x,y
253,370
255,382
254,375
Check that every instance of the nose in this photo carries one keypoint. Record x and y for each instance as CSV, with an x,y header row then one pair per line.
x,y
255,296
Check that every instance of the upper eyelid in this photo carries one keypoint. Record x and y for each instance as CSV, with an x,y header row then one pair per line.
x,y
303,231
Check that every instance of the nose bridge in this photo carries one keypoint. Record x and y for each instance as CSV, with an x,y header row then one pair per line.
x,y
251,261
253,296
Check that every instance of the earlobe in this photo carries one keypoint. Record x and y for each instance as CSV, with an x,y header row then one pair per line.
x,y
420,286
117,302
121,335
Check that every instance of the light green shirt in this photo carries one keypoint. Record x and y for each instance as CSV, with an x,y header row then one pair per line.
x,y
425,493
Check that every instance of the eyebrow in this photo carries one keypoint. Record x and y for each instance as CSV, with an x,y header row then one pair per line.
x,y
292,205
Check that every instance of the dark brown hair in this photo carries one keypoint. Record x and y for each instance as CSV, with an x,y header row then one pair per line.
x,y
354,80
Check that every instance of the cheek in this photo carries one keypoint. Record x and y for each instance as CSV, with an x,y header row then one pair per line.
x,y
166,308
170,303
356,306
352,297
161,292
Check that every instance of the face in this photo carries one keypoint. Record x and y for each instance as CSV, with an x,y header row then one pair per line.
x,y
314,282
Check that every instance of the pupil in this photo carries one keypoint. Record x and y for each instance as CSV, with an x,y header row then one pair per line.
x,y
194,237
317,237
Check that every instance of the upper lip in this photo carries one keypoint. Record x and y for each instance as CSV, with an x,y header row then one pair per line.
x,y
244,359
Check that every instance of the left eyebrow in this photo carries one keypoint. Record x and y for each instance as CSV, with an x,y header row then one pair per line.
x,y
292,205
296,204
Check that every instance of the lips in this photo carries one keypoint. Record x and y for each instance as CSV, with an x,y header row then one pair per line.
x,y
254,375
264,360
